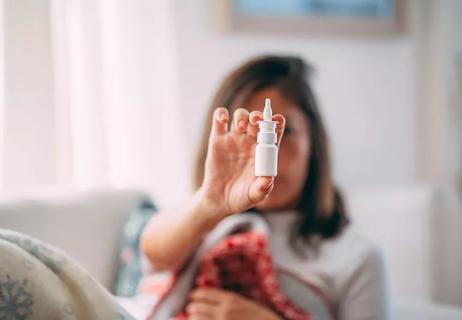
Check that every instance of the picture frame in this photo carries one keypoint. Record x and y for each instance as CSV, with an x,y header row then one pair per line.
x,y
326,17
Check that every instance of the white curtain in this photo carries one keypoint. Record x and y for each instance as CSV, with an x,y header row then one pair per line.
x,y
113,117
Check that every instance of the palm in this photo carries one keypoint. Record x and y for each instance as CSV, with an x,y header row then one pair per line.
x,y
229,168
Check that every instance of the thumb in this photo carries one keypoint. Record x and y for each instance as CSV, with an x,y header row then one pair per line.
x,y
260,188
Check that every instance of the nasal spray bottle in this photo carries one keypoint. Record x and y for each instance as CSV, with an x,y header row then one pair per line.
x,y
266,151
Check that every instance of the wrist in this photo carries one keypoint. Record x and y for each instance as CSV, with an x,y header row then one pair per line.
x,y
206,210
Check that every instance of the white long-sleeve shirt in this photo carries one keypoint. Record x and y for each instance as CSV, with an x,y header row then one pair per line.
x,y
348,270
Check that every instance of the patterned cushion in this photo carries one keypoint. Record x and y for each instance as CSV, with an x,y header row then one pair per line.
x,y
129,270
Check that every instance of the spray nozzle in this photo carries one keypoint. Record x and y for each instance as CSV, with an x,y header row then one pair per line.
x,y
267,112
266,132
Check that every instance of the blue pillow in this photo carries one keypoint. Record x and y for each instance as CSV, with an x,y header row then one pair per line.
x,y
129,268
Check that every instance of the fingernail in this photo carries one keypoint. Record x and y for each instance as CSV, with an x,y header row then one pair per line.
x,y
241,124
222,117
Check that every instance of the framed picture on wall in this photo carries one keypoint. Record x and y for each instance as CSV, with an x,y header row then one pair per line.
x,y
341,17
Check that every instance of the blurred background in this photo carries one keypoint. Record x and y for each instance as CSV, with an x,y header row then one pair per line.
x,y
111,94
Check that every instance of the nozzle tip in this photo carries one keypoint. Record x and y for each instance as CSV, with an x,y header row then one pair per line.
x,y
267,112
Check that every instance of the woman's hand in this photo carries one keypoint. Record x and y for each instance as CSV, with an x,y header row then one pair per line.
x,y
218,304
229,184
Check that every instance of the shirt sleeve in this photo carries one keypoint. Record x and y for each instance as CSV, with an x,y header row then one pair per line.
x,y
366,296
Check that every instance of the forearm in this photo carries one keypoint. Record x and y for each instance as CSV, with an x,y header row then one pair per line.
x,y
172,235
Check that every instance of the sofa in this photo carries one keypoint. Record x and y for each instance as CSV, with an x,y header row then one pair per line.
x,y
88,226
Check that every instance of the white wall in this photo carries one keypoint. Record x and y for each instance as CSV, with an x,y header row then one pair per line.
x,y
441,142
366,88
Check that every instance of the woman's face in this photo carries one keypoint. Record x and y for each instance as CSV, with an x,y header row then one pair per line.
x,y
294,151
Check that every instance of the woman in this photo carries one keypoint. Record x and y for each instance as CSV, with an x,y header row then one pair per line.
x,y
310,232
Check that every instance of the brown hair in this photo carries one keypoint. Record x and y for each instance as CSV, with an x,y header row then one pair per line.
x,y
320,207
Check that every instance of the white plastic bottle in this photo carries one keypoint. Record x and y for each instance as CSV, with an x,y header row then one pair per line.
x,y
266,151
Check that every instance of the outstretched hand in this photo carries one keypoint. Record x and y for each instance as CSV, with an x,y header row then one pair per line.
x,y
229,184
